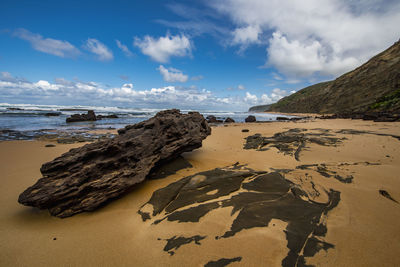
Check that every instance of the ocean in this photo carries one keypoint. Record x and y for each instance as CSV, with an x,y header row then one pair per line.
x,y
31,119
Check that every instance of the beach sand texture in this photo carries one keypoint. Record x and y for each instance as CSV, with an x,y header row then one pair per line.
x,y
363,227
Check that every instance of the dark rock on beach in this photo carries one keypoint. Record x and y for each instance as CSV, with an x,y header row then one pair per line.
x,y
90,116
87,177
387,195
366,116
50,145
250,118
213,119
229,120
112,116
52,114
282,119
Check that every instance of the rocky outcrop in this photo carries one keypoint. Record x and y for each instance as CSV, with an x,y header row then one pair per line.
x,y
213,119
87,177
367,116
250,118
112,116
52,114
282,118
229,120
90,116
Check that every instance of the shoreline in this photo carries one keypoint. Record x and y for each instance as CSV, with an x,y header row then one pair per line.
x,y
116,234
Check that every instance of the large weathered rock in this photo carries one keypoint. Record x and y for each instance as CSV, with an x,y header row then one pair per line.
x,y
213,119
85,178
229,120
90,116
250,118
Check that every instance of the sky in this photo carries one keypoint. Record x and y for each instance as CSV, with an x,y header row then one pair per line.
x,y
199,55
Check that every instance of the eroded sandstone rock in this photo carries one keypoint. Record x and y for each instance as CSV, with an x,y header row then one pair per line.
x,y
85,178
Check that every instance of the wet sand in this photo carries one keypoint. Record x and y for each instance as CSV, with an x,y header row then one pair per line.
x,y
363,227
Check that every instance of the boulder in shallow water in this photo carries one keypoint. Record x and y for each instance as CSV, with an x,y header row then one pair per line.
x,y
213,119
250,118
87,177
90,116
229,120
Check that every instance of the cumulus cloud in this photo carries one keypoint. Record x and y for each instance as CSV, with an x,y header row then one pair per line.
x,y
311,38
278,94
48,45
244,36
251,99
265,98
163,48
172,75
124,48
98,48
63,91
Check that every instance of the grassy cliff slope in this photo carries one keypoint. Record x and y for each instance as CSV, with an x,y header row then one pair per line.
x,y
374,86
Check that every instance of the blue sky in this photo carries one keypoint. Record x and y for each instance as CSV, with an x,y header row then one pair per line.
x,y
216,55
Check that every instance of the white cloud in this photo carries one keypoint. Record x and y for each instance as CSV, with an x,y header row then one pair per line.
x,y
47,45
241,87
311,38
273,97
101,50
251,99
246,35
277,94
172,75
45,85
63,91
265,99
163,48
302,59
124,49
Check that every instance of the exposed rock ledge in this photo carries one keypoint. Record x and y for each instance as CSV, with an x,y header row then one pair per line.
x,y
85,178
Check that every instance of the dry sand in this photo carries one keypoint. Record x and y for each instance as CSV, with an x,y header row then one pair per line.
x,y
364,227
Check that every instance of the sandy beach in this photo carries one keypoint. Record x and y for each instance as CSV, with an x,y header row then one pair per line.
x,y
354,157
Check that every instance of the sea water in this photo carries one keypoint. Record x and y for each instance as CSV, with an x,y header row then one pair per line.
x,y
29,117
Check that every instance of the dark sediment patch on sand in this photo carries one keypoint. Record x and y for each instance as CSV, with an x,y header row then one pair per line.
x,y
174,243
61,137
163,170
292,141
222,262
256,198
387,195
325,172
357,132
